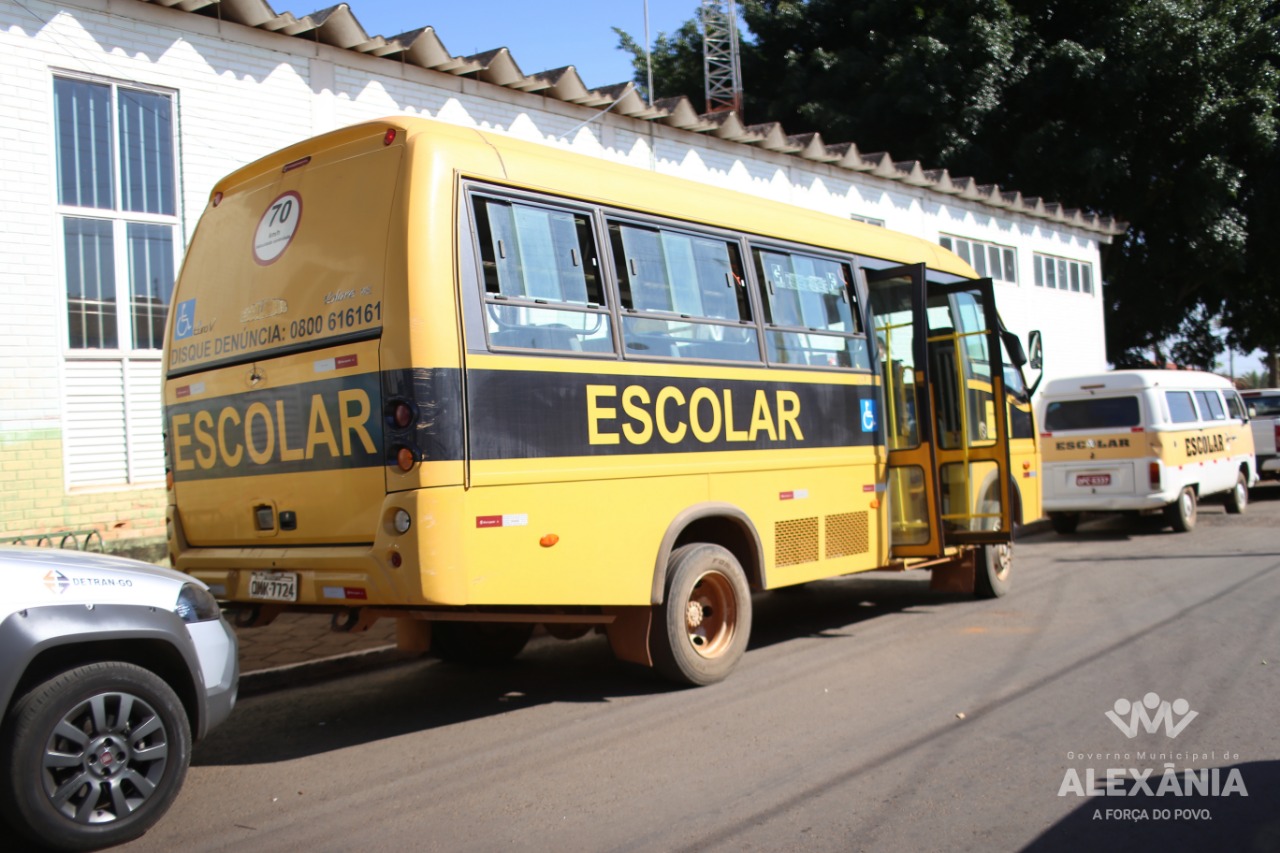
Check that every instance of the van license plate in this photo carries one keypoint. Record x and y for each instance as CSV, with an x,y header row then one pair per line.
x,y
273,586
1093,479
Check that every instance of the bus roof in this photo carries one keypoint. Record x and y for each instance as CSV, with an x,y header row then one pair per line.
x,y
534,166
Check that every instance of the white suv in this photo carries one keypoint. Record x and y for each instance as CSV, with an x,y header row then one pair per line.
x,y
108,670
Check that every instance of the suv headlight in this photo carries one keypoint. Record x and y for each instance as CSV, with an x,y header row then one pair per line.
x,y
196,604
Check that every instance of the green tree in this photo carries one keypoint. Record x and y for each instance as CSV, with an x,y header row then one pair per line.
x,y
677,63
1162,113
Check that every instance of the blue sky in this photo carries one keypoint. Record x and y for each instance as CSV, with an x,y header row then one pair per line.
x,y
541,34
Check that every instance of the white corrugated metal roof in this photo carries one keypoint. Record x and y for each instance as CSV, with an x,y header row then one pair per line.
x,y
337,26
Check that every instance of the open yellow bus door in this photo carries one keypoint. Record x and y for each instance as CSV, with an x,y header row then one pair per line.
x,y
947,439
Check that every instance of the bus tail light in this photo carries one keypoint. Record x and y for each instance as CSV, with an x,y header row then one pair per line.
x,y
405,459
402,415
1153,474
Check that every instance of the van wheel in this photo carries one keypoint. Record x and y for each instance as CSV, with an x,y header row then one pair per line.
x,y
1064,522
479,643
991,573
1238,497
704,621
1181,514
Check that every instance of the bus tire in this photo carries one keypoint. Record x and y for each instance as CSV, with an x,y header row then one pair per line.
x,y
702,626
479,643
1064,523
1181,514
992,569
1238,497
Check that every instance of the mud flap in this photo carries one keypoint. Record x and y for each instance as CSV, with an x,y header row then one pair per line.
x,y
957,576
629,634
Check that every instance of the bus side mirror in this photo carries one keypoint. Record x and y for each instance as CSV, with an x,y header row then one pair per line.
x,y
1036,346
1014,347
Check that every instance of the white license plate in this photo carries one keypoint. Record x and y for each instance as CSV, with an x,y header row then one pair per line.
x,y
1093,479
273,586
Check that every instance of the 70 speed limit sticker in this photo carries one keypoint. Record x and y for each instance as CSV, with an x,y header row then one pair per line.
x,y
276,228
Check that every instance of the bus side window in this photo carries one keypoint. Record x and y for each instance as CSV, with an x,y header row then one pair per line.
x,y
683,295
542,283
811,315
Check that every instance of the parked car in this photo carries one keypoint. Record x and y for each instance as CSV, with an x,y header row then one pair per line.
x,y
109,668
1264,418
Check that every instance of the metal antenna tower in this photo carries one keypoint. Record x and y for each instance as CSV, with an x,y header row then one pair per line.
x,y
720,65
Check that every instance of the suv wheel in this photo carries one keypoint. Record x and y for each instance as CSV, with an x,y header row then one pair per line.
x,y
98,754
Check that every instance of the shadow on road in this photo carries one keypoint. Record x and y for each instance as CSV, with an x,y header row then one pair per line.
x,y
1196,822
412,695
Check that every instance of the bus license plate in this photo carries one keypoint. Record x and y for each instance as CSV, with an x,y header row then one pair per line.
x,y
1093,479
273,586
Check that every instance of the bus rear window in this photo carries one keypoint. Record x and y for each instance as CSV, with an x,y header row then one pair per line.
x,y
1092,413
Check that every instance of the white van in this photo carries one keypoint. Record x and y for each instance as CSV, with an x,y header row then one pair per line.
x,y
1143,440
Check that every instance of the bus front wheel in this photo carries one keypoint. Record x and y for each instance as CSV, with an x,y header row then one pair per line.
x,y
704,621
992,571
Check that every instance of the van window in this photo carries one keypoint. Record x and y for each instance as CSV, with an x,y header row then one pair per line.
x,y
1092,413
1235,406
1211,405
1181,409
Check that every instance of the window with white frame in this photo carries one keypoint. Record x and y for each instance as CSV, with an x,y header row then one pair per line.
x,y
1063,274
868,220
988,259
117,203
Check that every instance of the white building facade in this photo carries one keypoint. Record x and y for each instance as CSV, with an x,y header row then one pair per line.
x,y
117,116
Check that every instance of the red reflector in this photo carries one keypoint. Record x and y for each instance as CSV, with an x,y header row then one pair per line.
x,y
389,137
296,164
1137,429
217,199
404,459
396,559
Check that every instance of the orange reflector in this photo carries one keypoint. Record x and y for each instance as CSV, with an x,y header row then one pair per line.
x,y
548,540
875,504
168,481
404,459
1026,465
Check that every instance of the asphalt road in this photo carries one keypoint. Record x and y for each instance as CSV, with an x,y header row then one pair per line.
x,y
868,714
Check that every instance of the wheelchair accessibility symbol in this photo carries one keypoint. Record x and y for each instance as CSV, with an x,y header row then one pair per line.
x,y
185,325
868,415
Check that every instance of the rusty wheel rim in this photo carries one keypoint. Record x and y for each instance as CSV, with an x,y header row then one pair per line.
x,y
711,615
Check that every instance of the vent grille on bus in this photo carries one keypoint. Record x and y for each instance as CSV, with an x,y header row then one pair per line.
x,y
797,541
847,533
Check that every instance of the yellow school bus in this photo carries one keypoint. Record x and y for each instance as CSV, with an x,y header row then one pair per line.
x,y
429,373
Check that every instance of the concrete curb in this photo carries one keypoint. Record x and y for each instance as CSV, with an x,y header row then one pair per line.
x,y
261,681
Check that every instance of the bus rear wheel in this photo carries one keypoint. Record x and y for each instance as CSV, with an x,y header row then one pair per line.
x,y
704,622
